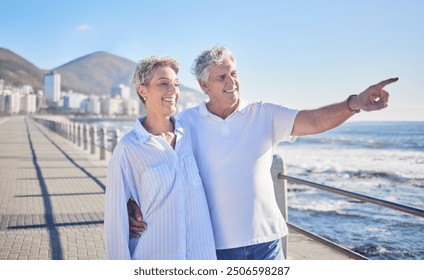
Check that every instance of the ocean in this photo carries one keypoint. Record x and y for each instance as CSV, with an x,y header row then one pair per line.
x,y
380,159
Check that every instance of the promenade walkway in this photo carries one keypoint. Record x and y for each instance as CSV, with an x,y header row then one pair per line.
x,y
51,195
51,199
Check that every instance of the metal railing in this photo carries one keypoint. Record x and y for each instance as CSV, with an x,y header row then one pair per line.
x,y
361,197
280,179
99,140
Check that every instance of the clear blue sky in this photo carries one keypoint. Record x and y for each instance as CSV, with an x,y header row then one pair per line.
x,y
303,54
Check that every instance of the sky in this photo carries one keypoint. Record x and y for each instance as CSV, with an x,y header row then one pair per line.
x,y
302,54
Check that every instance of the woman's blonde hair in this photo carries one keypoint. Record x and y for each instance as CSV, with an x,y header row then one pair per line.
x,y
143,72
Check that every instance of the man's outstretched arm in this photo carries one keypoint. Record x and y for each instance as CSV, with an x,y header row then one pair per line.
x,y
322,119
135,218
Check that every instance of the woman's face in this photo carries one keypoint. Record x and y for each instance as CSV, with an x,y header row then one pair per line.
x,y
162,92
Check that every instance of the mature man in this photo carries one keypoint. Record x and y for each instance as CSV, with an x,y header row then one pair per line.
x,y
233,142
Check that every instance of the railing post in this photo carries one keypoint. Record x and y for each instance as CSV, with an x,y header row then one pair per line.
x,y
64,131
70,131
115,139
56,126
280,189
79,134
74,133
84,136
67,130
62,128
50,125
103,139
64,134
93,139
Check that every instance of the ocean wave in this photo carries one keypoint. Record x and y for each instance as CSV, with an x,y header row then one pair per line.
x,y
372,250
367,174
418,182
381,252
362,143
339,213
328,207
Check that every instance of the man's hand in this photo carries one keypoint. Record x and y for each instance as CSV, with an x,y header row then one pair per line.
x,y
373,98
135,219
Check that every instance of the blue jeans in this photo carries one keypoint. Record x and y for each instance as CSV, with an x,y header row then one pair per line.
x,y
264,251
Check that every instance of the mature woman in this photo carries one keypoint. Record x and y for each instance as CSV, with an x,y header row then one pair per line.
x,y
154,164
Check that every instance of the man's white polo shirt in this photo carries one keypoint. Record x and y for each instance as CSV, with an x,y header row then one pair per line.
x,y
234,158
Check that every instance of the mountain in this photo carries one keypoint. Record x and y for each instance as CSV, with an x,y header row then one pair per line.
x,y
17,71
94,73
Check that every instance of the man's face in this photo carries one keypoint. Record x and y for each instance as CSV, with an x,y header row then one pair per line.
x,y
223,85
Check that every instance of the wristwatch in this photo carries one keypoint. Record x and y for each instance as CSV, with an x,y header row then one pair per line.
x,y
348,105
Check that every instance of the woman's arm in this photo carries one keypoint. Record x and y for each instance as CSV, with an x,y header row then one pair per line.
x,y
116,225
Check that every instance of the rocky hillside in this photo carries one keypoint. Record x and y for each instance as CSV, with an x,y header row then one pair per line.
x,y
17,71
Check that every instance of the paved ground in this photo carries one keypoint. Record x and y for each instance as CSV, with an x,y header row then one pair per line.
x,y
51,195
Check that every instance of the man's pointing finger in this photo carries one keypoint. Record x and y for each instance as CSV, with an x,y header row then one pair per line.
x,y
384,83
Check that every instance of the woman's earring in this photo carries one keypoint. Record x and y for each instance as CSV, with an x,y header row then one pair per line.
x,y
143,96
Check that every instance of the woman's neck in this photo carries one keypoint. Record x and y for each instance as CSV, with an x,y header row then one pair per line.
x,y
158,125
161,126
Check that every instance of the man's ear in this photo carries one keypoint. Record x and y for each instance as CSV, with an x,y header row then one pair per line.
x,y
203,86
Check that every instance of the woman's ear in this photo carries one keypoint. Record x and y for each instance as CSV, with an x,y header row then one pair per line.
x,y
142,92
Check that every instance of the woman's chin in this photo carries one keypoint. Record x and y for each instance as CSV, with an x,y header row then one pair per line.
x,y
170,110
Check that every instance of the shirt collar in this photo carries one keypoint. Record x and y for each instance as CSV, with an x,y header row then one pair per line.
x,y
203,110
143,135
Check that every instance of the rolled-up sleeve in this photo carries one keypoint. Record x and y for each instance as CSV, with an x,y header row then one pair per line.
x,y
116,225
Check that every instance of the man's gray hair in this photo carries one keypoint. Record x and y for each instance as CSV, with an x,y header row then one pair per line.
x,y
214,56
143,72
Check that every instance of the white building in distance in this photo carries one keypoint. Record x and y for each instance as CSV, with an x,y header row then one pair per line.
x,y
52,86
121,90
15,102
28,103
111,106
72,100
131,107
91,105
12,103
119,107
